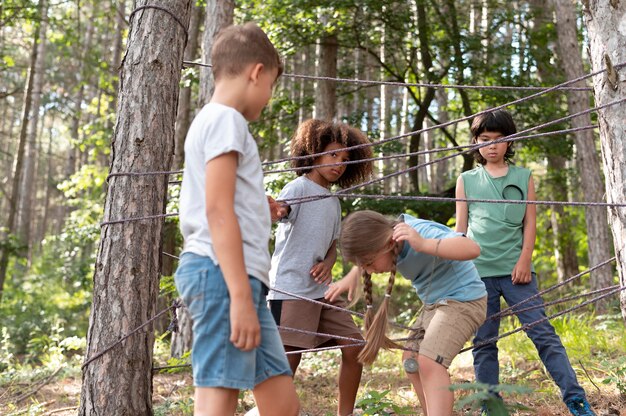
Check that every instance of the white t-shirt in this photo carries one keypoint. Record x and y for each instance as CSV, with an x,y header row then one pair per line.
x,y
216,130
303,239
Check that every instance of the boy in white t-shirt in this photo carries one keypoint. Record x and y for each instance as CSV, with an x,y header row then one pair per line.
x,y
225,221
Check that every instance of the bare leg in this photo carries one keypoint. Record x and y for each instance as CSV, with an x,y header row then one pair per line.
x,y
435,383
294,359
215,401
277,396
415,380
349,379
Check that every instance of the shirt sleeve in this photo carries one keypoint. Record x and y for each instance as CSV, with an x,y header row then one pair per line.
x,y
291,190
225,134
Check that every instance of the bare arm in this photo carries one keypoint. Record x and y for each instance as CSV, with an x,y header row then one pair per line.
x,y
220,178
521,273
462,220
349,283
453,248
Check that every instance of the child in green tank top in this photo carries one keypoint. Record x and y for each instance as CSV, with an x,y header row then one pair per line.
x,y
506,235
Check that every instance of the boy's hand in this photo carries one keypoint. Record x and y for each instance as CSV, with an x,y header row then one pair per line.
x,y
521,274
322,273
277,209
245,330
404,232
348,283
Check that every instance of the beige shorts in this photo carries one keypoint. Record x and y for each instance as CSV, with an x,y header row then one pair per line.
x,y
443,328
312,317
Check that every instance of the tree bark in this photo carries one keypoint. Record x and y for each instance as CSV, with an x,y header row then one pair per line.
x,y
607,38
326,91
127,270
219,14
587,159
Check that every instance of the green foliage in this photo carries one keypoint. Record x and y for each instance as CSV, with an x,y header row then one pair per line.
x,y
375,403
616,374
484,395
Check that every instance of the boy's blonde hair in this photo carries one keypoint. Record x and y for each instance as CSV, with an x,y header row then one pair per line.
x,y
238,46
364,235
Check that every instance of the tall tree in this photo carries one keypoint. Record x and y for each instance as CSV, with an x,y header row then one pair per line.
x,y
127,271
587,159
219,14
23,138
607,40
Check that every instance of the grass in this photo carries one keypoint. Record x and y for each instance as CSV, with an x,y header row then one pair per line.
x,y
596,346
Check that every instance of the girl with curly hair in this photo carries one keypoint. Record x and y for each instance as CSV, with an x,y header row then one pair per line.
x,y
306,247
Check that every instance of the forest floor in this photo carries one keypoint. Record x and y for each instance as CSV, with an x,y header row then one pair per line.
x,y
317,390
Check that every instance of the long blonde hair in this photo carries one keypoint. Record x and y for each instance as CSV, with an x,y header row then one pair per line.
x,y
365,234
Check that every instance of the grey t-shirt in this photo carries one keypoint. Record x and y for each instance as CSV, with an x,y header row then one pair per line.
x,y
303,239
216,130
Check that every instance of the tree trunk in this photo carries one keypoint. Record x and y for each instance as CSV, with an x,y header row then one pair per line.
x,y
28,190
605,23
19,159
564,247
587,159
127,270
326,91
219,14
181,341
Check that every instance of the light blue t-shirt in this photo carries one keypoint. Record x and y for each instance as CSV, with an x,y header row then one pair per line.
x,y
436,279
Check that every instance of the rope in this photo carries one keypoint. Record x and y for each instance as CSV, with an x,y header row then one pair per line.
x,y
410,84
547,318
176,304
458,120
163,9
475,146
543,292
351,162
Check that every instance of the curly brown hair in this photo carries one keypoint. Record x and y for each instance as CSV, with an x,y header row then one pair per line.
x,y
312,136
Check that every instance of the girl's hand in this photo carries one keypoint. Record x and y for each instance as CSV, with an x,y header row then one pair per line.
x,y
322,273
348,283
245,330
521,274
404,232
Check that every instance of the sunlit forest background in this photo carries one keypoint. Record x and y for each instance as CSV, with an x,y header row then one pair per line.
x,y
59,62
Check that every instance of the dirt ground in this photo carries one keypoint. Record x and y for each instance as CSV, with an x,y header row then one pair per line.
x,y
317,390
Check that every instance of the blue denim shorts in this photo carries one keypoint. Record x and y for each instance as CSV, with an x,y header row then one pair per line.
x,y
216,362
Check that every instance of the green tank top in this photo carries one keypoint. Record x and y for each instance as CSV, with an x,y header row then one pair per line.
x,y
496,227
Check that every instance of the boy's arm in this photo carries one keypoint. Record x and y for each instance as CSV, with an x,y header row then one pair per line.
x,y
220,176
278,210
521,273
461,208
322,271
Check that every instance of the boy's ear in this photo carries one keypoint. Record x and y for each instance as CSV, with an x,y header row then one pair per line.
x,y
255,72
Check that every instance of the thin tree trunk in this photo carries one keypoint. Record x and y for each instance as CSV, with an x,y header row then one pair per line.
x,y
587,159
219,14
28,190
326,91
127,270
19,159
605,22
564,247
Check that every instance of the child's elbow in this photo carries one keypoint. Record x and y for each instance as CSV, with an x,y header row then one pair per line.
x,y
474,250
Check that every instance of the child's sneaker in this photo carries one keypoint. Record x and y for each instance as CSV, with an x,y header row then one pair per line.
x,y
579,407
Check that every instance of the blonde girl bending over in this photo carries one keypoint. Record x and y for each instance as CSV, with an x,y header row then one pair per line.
x,y
437,260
